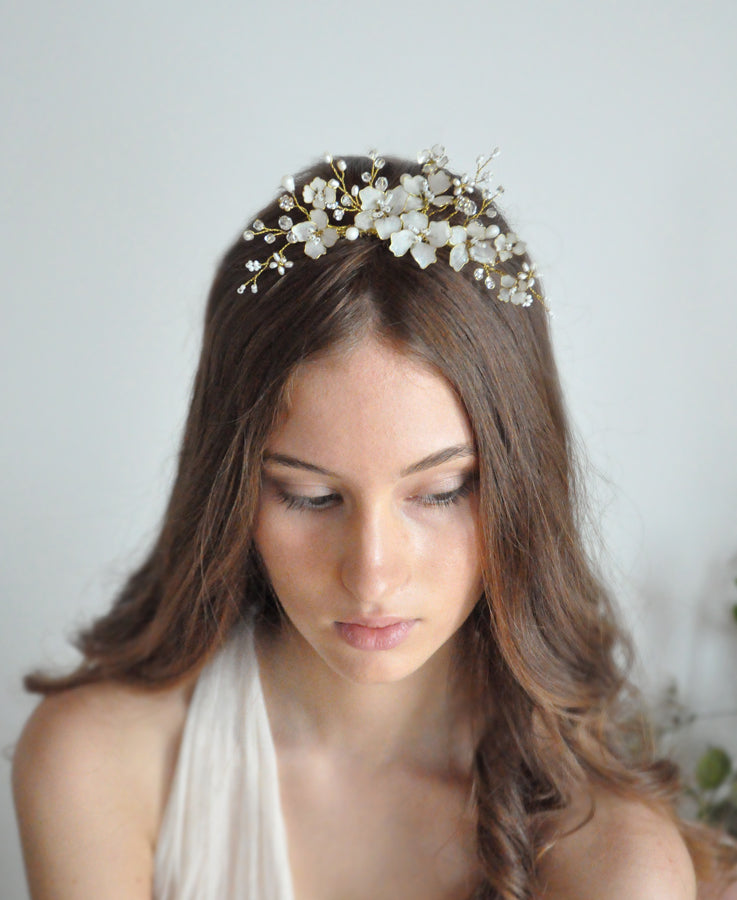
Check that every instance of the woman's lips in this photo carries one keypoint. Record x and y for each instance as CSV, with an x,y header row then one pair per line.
x,y
375,634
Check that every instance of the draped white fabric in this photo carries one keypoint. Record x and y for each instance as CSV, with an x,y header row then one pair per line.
x,y
223,836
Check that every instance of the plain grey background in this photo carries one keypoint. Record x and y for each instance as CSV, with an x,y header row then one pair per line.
x,y
138,138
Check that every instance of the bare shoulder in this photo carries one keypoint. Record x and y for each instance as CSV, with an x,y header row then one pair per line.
x,y
91,772
626,851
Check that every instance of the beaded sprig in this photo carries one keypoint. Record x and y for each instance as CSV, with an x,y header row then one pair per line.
x,y
413,216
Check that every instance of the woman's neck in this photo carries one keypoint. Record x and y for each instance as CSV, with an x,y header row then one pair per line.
x,y
421,721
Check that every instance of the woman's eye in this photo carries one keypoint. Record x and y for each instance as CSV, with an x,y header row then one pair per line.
x,y
315,503
448,498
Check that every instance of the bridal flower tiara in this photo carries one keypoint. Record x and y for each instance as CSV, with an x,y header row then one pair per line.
x,y
417,216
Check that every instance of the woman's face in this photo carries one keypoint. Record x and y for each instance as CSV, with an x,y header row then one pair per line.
x,y
368,518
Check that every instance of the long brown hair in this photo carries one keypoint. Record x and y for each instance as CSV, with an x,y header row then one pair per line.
x,y
548,655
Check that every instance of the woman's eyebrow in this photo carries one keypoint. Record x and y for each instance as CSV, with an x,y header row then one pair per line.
x,y
291,462
457,451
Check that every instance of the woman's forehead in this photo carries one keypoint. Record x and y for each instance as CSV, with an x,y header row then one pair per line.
x,y
370,399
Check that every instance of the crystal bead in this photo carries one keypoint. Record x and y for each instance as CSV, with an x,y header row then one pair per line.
x,y
338,214
346,200
269,238
372,154
352,233
258,225
478,274
365,177
286,202
466,206
381,183
489,282
380,163
292,237
248,234
285,223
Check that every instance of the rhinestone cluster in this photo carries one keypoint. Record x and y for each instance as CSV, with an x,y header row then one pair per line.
x,y
413,216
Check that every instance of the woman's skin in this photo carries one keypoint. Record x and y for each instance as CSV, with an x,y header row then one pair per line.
x,y
368,528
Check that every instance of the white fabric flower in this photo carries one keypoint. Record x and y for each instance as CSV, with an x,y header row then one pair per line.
x,y
508,244
316,233
420,236
415,187
319,194
472,241
439,182
380,211
422,190
516,290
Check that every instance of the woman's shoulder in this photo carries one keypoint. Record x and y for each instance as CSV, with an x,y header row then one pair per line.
x,y
625,851
100,724
91,773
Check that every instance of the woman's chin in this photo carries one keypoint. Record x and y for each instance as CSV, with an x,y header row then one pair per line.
x,y
367,669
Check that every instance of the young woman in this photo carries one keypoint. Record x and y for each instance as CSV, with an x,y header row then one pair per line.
x,y
366,656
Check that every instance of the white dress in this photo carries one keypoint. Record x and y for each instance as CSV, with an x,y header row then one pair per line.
x,y
222,836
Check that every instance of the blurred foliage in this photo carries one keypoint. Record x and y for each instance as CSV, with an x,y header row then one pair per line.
x,y
713,784
715,789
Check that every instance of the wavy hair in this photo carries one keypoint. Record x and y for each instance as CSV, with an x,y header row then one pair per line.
x,y
549,659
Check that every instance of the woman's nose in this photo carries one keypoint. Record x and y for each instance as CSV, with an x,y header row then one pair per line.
x,y
376,559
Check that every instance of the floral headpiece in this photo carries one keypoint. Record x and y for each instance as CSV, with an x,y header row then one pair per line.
x,y
413,216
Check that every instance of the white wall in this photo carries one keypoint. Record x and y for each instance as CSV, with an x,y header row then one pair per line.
x,y
139,136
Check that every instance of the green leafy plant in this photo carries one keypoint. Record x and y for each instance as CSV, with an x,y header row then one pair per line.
x,y
714,783
715,789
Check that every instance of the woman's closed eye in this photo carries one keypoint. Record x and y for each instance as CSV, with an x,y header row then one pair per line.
x,y
449,497
307,502
319,502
